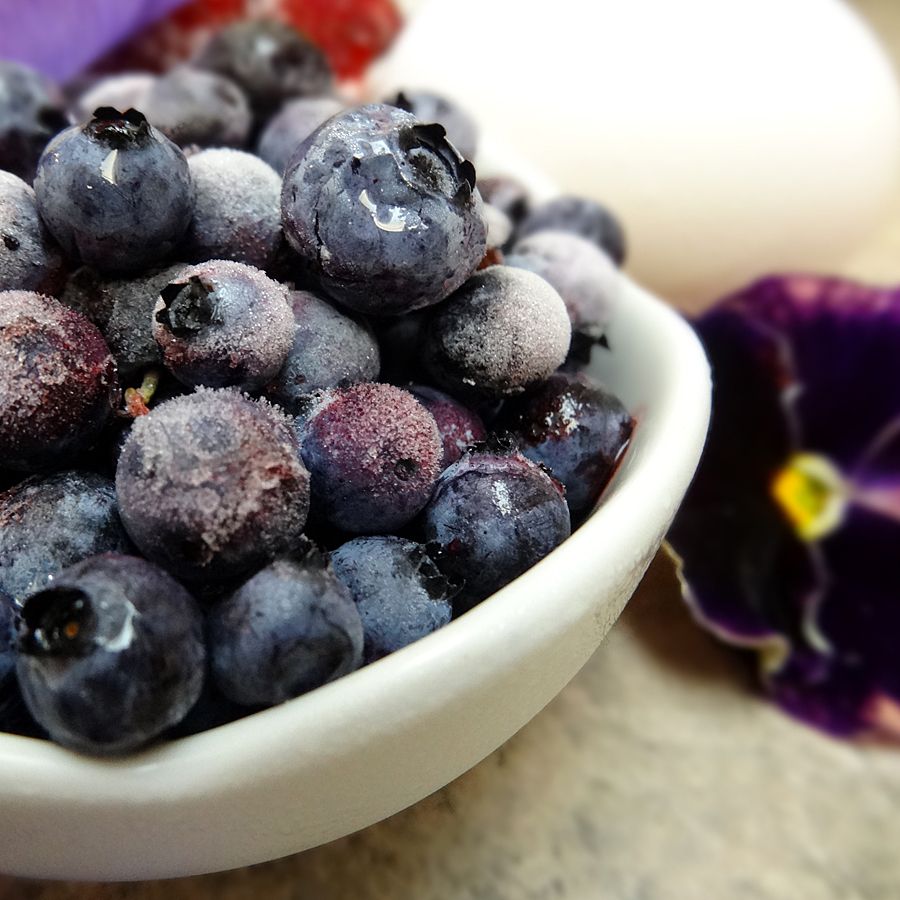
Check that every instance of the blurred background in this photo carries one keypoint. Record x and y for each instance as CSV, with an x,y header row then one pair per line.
x,y
734,140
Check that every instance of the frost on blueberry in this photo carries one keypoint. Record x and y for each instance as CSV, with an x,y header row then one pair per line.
x,y
57,381
50,523
494,515
237,209
291,628
211,485
114,192
373,453
400,592
223,323
383,211
111,654
30,259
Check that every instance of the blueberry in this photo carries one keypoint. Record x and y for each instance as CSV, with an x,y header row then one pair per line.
x,y
583,217
291,628
574,428
30,114
48,524
125,91
193,107
494,515
503,330
373,453
115,192
507,195
270,61
122,308
383,211
458,427
30,259
461,129
583,275
57,381
237,209
211,485
330,349
224,323
111,654
400,593
292,125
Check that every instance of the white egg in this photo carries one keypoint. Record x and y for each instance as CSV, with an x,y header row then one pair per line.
x,y
733,137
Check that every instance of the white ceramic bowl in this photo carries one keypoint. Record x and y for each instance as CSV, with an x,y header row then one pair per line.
x,y
368,745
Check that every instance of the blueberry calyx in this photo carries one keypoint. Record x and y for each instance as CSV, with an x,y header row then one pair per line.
x,y
498,443
433,138
118,129
188,307
58,621
439,584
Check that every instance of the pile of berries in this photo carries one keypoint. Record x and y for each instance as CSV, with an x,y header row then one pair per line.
x,y
268,416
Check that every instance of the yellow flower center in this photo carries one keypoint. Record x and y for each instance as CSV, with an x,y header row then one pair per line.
x,y
812,493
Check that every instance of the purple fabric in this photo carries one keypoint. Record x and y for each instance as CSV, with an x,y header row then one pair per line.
x,y
62,37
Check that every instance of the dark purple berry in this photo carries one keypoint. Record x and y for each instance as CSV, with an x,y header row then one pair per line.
x,y
574,428
291,126
48,524
494,516
373,453
400,593
111,654
383,211
583,275
581,216
270,61
237,209
502,331
193,107
57,381
291,628
114,192
30,260
224,323
211,485
31,112
330,349
461,129
458,427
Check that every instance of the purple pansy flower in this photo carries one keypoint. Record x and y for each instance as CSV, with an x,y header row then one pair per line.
x,y
789,538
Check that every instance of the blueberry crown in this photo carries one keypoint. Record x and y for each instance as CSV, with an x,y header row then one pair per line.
x,y
118,129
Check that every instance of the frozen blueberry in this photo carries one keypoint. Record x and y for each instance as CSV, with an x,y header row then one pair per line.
x,y
211,485
505,194
111,654
458,427
30,260
128,90
31,113
193,107
494,515
122,308
461,129
115,192
503,330
574,428
48,524
330,349
224,323
270,61
237,209
291,628
400,593
581,216
57,381
292,125
383,211
583,275
373,453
